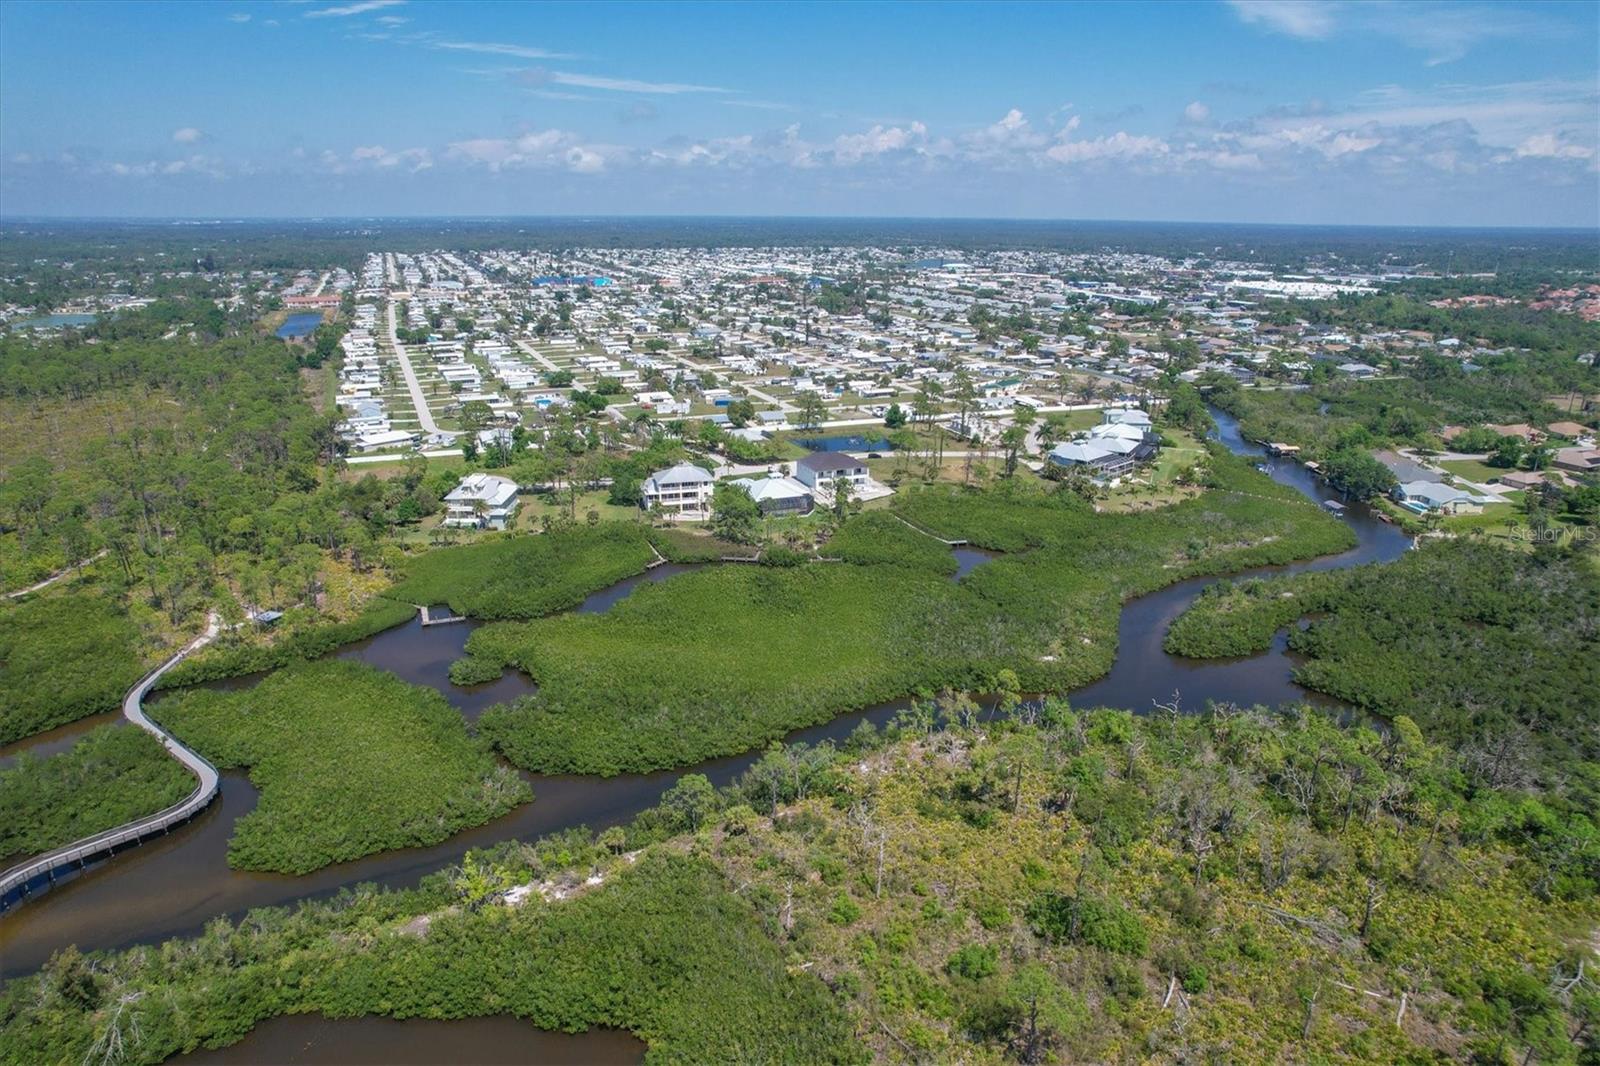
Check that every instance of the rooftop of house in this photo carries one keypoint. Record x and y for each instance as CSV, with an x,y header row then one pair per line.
x,y
772,488
680,474
492,489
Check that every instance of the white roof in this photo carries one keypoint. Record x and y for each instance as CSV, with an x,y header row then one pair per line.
x,y
1117,431
1079,452
679,474
1434,492
1127,416
772,488
490,488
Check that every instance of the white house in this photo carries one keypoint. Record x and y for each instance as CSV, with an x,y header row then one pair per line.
x,y
1425,496
376,440
684,487
1109,450
820,470
1125,416
778,495
481,501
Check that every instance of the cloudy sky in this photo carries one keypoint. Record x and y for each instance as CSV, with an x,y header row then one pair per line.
x,y
1278,111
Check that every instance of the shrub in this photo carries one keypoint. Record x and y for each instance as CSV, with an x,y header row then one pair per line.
x,y
845,911
973,962
112,775
349,760
62,658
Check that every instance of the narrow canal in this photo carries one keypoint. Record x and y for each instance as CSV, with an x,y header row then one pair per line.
x,y
172,885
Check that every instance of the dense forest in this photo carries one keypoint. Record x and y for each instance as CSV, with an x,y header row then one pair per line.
x,y
1412,408
1494,651
1495,326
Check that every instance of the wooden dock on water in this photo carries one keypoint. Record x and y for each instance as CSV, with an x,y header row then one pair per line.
x,y
432,617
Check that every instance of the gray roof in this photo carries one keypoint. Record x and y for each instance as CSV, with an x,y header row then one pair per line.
x,y
822,462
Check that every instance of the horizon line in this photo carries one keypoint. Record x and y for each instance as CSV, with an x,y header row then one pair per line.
x,y
598,217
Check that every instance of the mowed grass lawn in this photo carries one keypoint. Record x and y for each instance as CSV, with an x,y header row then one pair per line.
x,y
1472,470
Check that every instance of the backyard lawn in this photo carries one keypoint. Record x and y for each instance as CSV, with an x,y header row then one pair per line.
x,y
1472,469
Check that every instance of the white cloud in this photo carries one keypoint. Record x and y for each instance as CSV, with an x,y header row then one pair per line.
x,y
550,149
1306,19
495,48
1445,31
622,85
1551,146
1197,112
1120,145
203,165
1013,129
361,7
411,159
1502,114
239,16
854,147
187,135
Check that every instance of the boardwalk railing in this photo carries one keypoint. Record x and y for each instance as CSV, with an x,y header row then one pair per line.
x,y
17,883
925,533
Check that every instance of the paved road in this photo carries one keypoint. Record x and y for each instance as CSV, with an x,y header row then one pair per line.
x,y
531,350
418,400
783,405
436,453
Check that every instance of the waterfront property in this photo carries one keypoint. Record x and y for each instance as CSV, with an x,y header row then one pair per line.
x,y
682,488
481,501
1425,496
778,495
821,470
1108,450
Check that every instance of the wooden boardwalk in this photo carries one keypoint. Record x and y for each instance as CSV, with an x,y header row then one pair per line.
x,y
925,533
38,874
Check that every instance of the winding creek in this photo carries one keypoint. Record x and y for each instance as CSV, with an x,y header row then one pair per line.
x,y
172,885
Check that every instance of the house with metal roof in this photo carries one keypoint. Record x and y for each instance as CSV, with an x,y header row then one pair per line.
x,y
778,495
1424,496
681,488
1108,451
481,501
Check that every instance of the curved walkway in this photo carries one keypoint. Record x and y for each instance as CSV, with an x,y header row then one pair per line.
x,y
58,575
16,883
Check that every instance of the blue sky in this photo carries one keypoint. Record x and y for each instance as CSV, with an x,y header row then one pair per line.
x,y
1317,111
